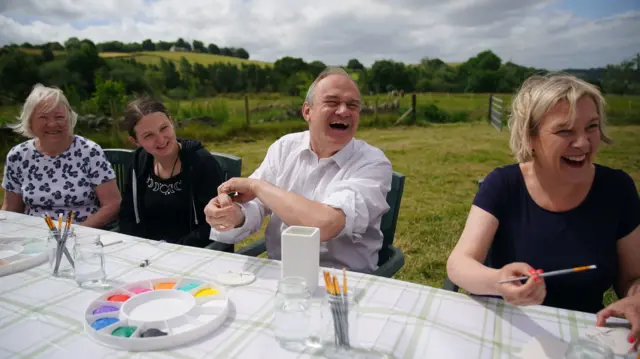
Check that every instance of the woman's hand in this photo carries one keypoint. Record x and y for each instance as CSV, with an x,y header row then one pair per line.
x,y
516,293
629,308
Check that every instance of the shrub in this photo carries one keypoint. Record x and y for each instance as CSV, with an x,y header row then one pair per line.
x,y
433,113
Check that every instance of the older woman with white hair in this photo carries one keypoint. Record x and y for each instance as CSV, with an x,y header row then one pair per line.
x,y
555,209
56,171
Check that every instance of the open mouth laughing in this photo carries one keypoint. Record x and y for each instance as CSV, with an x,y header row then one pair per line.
x,y
340,126
160,148
575,161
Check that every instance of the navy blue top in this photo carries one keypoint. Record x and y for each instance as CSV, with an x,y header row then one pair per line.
x,y
584,235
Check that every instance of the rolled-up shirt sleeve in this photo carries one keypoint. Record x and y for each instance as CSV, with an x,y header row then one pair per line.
x,y
362,197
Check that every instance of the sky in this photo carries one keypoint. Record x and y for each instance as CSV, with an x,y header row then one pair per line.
x,y
550,34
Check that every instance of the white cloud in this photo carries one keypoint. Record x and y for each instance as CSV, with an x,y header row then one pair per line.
x,y
526,32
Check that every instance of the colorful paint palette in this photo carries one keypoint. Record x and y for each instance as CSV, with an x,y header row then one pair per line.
x,y
156,314
20,253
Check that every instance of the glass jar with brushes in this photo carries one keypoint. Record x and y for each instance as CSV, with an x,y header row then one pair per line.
x,y
60,249
60,244
340,318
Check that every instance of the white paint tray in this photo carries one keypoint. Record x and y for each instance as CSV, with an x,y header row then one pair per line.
x,y
20,253
177,309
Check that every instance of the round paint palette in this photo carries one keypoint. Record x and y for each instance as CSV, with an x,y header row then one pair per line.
x,y
156,314
20,253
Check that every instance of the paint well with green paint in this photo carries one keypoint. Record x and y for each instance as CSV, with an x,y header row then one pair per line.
x,y
123,331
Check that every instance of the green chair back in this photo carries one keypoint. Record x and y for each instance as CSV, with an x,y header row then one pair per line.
x,y
120,159
231,165
390,219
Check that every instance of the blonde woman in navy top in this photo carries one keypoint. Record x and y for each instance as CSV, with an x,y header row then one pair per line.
x,y
555,209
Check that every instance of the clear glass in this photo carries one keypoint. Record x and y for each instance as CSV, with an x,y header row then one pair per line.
x,y
61,262
339,325
292,316
89,259
585,349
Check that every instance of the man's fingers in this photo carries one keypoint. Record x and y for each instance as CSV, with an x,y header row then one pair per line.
x,y
225,200
227,187
221,213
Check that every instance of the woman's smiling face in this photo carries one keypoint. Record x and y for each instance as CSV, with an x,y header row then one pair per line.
x,y
565,148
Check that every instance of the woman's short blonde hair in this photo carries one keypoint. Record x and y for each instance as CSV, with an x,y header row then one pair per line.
x,y
52,96
537,96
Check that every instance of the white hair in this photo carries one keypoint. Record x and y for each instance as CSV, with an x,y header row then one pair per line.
x,y
52,97
324,74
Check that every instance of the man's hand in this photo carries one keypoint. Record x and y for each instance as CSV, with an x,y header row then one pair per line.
x,y
244,187
222,214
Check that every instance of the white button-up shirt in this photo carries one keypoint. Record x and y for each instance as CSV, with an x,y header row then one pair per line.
x,y
356,180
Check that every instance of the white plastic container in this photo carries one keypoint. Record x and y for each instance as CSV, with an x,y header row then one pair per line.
x,y
300,254
156,314
20,253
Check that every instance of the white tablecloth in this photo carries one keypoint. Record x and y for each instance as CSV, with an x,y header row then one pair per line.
x,y
41,316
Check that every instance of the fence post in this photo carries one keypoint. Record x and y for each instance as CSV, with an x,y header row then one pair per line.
x,y
413,107
490,104
375,110
246,110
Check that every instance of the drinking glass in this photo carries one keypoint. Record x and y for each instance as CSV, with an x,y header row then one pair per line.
x,y
586,349
89,259
292,317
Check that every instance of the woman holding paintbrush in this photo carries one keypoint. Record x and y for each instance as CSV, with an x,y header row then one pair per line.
x,y
56,171
555,209
169,182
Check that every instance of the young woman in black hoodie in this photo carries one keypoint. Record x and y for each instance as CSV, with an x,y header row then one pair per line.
x,y
169,182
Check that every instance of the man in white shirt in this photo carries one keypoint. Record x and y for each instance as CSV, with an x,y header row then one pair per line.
x,y
322,178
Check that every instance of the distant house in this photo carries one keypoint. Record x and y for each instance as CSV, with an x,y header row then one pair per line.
x,y
175,48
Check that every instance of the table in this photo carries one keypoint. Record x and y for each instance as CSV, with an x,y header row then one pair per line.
x,y
41,315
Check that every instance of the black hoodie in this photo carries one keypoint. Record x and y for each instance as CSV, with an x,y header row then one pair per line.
x,y
202,175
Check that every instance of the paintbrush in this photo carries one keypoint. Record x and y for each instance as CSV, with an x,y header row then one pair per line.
x,y
552,273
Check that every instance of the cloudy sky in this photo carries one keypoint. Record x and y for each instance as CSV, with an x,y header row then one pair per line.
x,y
552,34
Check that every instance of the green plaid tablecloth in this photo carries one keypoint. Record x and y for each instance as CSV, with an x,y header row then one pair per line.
x,y
41,315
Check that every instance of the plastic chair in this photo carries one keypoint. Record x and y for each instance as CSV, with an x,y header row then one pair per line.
x,y
120,159
231,165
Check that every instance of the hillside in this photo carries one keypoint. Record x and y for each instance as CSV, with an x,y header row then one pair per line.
x,y
153,57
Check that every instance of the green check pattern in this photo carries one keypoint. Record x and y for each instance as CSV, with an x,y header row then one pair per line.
x,y
41,316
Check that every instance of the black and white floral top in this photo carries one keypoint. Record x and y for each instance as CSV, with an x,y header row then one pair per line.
x,y
58,184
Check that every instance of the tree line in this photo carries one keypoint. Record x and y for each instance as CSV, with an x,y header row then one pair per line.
x,y
146,45
79,70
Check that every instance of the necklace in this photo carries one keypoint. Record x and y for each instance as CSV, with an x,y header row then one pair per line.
x,y
172,168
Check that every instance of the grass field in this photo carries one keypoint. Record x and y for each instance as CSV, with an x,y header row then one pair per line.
x,y
442,164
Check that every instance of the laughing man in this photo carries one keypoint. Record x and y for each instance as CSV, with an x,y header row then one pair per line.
x,y
322,178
